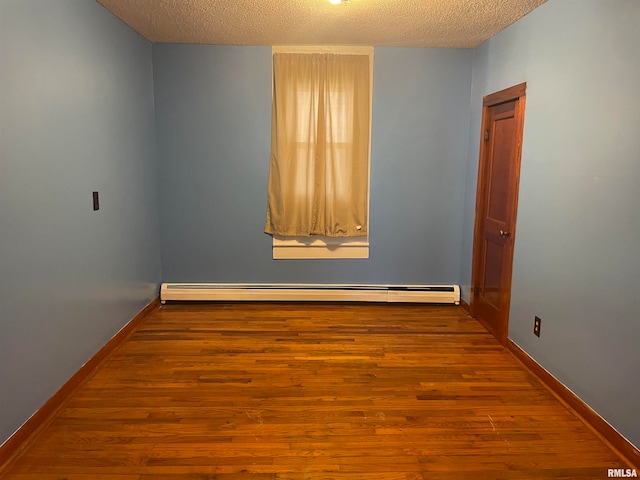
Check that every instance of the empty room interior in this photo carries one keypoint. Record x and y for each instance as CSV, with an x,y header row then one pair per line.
x,y
135,147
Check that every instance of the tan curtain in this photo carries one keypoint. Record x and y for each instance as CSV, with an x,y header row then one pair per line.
x,y
318,178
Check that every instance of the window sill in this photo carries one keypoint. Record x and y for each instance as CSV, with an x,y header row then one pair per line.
x,y
319,247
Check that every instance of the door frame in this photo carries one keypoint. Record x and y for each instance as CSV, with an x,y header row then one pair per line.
x,y
517,92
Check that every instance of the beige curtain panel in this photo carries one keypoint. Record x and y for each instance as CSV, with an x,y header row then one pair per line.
x,y
319,169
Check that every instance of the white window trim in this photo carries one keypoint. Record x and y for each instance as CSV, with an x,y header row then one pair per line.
x,y
320,246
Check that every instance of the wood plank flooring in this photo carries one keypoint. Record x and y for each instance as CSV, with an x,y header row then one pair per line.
x,y
322,392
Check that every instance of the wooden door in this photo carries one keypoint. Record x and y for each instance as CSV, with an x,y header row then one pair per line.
x,y
496,205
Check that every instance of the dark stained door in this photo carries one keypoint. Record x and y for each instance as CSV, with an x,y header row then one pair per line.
x,y
496,205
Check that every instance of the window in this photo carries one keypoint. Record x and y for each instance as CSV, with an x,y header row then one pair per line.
x,y
318,200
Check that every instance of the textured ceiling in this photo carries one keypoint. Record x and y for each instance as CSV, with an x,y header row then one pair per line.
x,y
408,23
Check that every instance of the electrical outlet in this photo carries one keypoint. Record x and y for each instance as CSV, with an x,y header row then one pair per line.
x,y
536,326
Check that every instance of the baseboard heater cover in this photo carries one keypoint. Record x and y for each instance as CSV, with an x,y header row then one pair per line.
x,y
286,292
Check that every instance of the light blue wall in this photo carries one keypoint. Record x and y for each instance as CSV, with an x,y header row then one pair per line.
x,y
213,116
76,115
577,261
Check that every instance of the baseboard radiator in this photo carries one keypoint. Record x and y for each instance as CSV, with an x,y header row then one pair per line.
x,y
287,292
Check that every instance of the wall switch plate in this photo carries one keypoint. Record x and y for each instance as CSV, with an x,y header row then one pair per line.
x,y
536,325
96,201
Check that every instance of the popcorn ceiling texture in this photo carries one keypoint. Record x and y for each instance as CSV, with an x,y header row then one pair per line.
x,y
406,23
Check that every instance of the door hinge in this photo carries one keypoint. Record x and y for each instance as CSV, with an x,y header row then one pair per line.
x,y
476,290
486,135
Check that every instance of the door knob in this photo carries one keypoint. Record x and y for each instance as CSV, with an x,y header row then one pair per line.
x,y
505,233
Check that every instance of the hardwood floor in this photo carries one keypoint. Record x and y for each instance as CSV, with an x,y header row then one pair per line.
x,y
293,392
